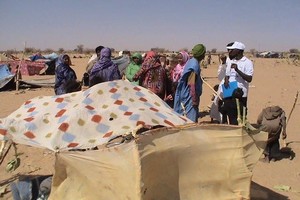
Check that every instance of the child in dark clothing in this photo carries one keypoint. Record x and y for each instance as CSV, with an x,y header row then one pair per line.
x,y
228,107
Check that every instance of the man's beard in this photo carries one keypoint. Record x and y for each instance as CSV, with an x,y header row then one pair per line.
x,y
231,56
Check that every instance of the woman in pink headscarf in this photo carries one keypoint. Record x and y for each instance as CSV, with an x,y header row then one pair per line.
x,y
182,57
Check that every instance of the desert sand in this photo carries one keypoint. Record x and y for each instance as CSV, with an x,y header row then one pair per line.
x,y
275,82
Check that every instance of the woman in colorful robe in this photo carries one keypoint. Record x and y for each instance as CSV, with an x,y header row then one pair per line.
x,y
152,75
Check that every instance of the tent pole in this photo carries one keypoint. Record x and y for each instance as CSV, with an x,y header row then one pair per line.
x,y
18,69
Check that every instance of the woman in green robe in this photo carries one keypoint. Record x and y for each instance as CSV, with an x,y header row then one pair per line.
x,y
133,67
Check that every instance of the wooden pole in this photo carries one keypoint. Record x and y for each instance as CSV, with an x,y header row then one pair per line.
x,y
18,77
239,119
5,153
288,119
244,115
3,142
294,105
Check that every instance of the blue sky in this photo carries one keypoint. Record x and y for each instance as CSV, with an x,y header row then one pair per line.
x,y
141,25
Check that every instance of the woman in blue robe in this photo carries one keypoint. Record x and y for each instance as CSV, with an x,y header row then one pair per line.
x,y
63,74
189,88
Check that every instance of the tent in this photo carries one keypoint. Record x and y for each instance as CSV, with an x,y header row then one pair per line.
x,y
179,160
87,118
184,162
268,54
27,67
7,80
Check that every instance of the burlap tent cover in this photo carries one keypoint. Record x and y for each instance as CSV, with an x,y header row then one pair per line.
x,y
197,162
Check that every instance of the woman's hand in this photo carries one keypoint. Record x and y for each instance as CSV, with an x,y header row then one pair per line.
x,y
169,97
284,135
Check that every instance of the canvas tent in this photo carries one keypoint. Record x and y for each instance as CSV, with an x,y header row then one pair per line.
x,y
192,162
27,67
182,160
7,80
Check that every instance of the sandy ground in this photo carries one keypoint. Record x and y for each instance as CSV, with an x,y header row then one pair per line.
x,y
275,81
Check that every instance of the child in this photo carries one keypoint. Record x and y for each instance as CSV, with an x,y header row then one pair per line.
x,y
228,107
273,121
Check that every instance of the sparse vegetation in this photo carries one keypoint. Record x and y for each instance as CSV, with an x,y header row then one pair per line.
x,y
294,51
61,50
213,50
79,48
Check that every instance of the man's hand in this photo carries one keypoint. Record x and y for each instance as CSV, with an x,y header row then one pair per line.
x,y
226,82
234,66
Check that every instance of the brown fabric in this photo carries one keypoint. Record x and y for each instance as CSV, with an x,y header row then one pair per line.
x,y
195,162
192,78
272,112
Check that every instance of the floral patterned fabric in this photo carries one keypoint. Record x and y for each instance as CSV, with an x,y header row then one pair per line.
x,y
87,118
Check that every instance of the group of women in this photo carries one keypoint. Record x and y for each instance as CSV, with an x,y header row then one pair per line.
x,y
175,80
102,70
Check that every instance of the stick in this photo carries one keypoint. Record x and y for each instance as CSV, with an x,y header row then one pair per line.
x,y
294,105
238,112
18,76
211,88
289,117
184,111
4,155
244,115
3,142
